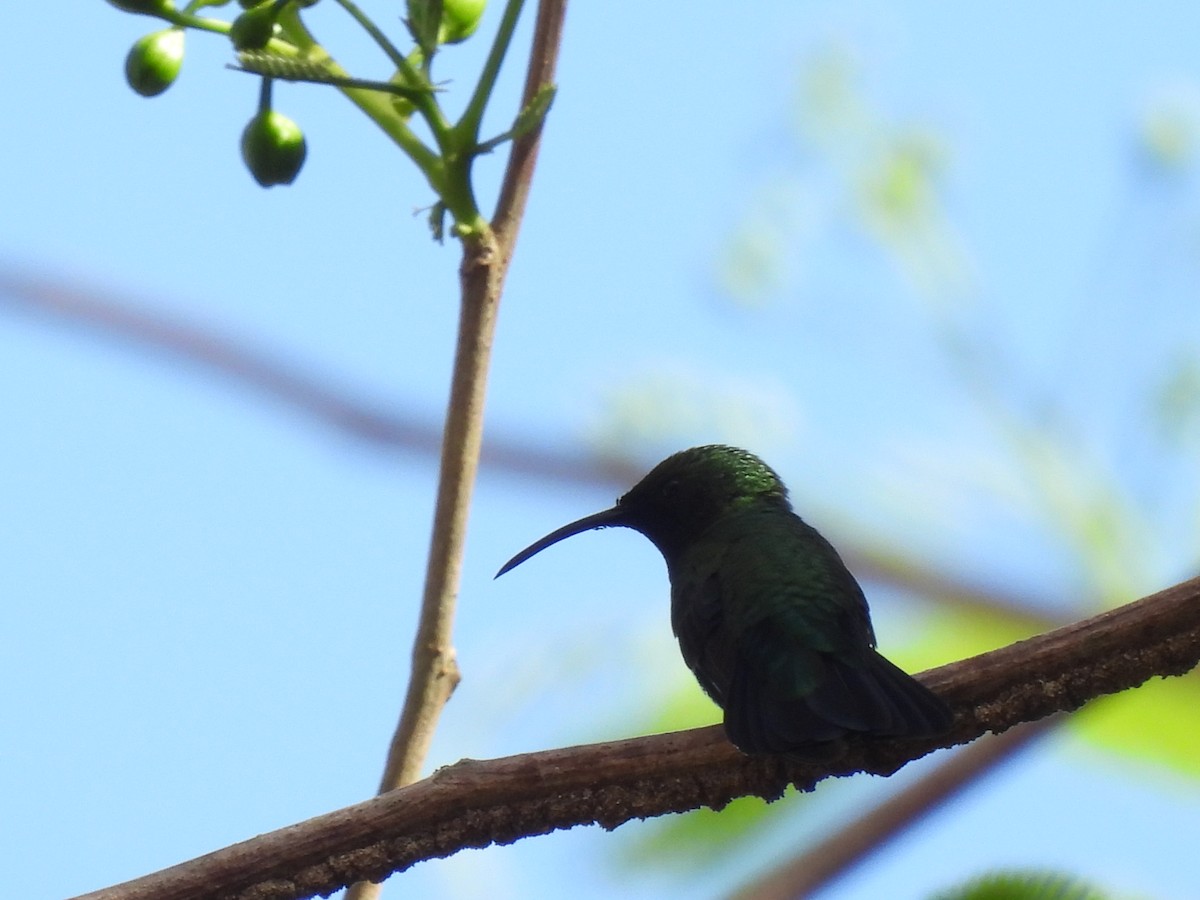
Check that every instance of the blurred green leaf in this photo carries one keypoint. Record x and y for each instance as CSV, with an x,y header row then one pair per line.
x,y
772,246
960,633
1156,724
889,173
1025,886
751,266
1167,133
702,837
1177,401
900,189
1084,504
686,707
660,411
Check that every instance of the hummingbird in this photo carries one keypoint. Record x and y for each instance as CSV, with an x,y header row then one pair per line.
x,y
768,617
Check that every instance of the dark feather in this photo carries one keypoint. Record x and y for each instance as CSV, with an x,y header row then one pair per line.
x,y
779,701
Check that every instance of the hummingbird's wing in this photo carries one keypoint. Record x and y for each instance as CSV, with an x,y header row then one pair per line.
x,y
778,633
779,703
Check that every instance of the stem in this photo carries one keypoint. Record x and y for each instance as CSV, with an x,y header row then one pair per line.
x,y
424,104
264,96
185,19
467,129
543,59
459,145
486,255
482,275
435,671
377,105
378,36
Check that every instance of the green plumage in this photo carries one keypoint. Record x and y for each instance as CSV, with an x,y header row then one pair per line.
x,y
768,617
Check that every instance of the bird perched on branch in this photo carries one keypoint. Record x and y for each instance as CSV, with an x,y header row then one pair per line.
x,y
768,617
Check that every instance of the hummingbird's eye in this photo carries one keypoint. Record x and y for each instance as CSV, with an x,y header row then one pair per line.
x,y
670,488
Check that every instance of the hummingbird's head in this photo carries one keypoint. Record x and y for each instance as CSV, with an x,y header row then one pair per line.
x,y
680,498
686,493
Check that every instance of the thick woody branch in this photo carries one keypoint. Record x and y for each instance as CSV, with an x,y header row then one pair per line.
x,y
477,803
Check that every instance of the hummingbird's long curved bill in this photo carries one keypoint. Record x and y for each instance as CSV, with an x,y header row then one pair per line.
x,y
609,518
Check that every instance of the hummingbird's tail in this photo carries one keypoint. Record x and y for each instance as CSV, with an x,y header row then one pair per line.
x,y
825,698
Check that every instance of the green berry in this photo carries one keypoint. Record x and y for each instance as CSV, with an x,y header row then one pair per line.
x,y
253,28
460,18
273,148
146,7
154,60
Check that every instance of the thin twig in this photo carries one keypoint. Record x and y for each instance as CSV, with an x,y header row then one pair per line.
x,y
518,175
483,270
434,668
486,256
475,804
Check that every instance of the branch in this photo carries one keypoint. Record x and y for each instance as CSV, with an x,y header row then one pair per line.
x,y
518,174
478,803
271,374
817,865
482,272
486,256
227,356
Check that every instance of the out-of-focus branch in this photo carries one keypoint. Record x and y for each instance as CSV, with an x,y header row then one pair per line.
x,y
247,365
817,865
215,352
474,804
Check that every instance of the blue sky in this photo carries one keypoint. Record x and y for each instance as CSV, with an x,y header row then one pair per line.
x,y
208,599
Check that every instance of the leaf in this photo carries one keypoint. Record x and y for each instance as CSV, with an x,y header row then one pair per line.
x,y
532,115
702,838
954,634
526,121
1153,724
1028,885
424,20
